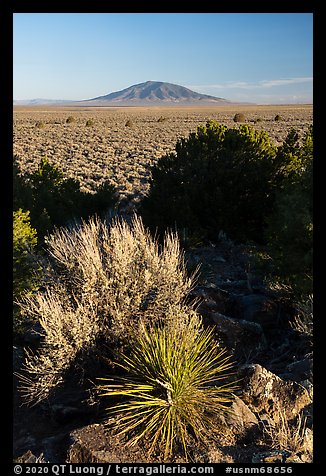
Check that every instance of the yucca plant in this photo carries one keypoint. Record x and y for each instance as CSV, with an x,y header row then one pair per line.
x,y
171,386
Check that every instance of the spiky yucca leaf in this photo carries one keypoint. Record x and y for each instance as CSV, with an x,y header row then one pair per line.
x,y
172,384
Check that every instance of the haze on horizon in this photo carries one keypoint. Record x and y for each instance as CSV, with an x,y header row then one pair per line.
x,y
265,58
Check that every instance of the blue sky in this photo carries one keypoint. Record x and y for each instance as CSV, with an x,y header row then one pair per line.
x,y
258,57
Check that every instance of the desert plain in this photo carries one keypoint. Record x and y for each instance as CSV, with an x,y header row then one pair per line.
x,y
124,154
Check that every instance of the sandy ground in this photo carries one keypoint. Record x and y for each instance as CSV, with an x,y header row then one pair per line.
x,y
125,154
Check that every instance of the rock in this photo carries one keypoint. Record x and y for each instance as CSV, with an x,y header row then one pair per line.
x,y
212,298
206,307
301,369
240,418
266,393
23,442
308,441
306,458
239,336
93,444
274,456
293,459
29,458
54,447
309,386
259,308
88,445
64,413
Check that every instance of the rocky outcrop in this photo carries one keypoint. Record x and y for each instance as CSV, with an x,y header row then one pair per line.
x,y
266,393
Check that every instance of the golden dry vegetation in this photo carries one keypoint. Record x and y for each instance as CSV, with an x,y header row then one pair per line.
x,y
124,154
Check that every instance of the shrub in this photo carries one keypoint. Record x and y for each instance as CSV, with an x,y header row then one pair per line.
x,y
217,179
102,203
277,117
129,123
162,119
102,282
24,264
55,200
239,117
70,120
40,124
90,122
22,193
171,386
221,179
290,226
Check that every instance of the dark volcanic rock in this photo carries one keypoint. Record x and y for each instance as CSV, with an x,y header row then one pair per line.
x,y
259,308
92,444
301,370
240,417
275,456
239,336
266,393
212,299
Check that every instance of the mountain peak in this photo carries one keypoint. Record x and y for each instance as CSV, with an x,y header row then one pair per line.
x,y
156,93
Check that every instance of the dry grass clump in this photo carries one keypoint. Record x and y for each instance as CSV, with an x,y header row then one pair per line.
x,y
288,436
103,281
303,321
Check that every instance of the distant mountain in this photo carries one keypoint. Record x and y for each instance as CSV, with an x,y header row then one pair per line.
x,y
155,93
40,102
150,93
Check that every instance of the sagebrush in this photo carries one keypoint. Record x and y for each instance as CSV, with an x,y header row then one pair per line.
x,y
102,280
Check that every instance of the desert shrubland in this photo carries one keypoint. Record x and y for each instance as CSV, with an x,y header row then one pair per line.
x,y
114,299
125,155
